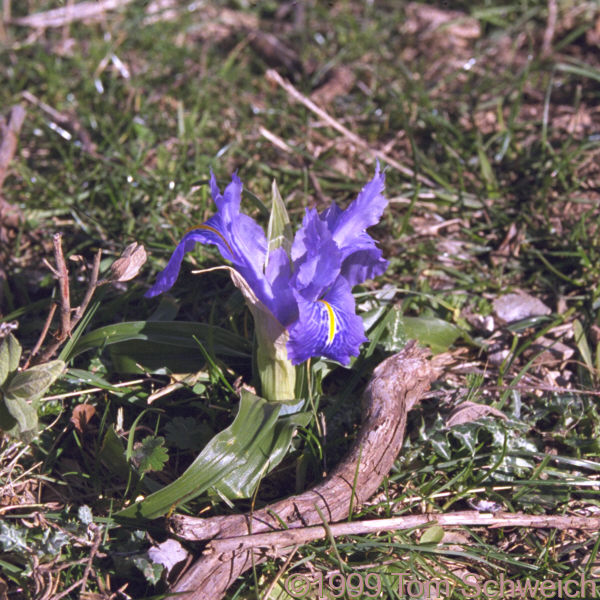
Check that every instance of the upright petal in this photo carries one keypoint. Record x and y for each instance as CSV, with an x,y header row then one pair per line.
x,y
362,260
317,270
312,228
363,212
278,273
328,327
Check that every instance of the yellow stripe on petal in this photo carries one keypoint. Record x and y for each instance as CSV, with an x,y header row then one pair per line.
x,y
331,321
215,231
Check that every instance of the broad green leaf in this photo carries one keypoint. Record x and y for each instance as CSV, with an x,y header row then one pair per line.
x,y
85,516
395,329
250,433
21,421
279,592
13,538
10,354
151,455
389,332
279,230
436,333
152,571
32,383
167,338
432,535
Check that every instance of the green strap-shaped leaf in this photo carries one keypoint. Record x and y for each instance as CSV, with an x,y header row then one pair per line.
x,y
10,354
247,441
241,482
178,334
112,454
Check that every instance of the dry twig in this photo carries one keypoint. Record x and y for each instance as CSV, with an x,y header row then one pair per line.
x,y
68,317
282,540
81,583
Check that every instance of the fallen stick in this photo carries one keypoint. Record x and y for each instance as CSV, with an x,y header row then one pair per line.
x,y
397,385
275,77
289,538
58,17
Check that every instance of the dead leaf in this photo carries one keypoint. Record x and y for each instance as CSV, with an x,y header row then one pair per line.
x,y
275,52
517,306
510,246
467,411
128,265
548,352
339,82
81,416
168,554
453,24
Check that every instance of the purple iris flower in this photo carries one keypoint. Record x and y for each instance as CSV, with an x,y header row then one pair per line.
x,y
310,291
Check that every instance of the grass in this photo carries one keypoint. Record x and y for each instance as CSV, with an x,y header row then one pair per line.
x,y
509,138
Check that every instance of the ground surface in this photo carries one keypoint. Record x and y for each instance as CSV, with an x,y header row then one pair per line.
x,y
487,117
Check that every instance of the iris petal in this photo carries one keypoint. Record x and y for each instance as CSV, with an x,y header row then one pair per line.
x,y
279,273
363,212
167,277
238,238
328,327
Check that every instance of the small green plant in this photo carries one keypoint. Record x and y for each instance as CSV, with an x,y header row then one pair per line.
x,y
21,391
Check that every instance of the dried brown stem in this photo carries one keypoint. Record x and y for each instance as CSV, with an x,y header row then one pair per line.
x,y
67,322
81,583
550,27
43,334
63,287
9,140
275,77
397,384
92,285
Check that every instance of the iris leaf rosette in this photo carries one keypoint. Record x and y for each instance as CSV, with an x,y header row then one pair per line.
x,y
299,291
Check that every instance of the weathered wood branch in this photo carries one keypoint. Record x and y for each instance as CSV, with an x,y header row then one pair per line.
x,y
289,538
396,386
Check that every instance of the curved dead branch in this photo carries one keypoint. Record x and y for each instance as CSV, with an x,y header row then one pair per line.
x,y
397,384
